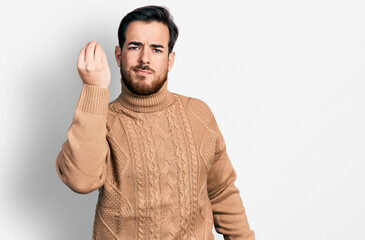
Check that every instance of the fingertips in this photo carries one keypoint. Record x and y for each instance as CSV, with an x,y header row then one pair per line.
x,y
103,57
81,57
98,53
90,50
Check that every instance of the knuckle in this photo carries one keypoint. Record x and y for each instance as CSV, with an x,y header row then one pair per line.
x,y
89,68
80,67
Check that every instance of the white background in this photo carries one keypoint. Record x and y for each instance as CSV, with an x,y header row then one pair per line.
x,y
285,80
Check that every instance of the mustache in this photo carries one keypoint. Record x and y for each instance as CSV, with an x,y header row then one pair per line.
x,y
143,67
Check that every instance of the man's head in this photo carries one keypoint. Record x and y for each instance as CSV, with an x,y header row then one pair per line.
x,y
147,36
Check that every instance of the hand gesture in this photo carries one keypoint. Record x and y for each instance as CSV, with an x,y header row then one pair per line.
x,y
92,65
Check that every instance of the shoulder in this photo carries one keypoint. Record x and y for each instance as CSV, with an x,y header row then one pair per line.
x,y
198,108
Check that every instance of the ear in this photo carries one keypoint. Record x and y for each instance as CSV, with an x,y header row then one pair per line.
x,y
118,55
171,60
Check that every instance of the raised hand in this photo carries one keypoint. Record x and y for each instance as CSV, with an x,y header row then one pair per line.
x,y
92,65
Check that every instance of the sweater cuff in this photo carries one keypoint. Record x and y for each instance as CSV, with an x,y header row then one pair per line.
x,y
93,99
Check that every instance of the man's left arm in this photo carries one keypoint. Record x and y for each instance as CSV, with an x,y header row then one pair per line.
x,y
228,211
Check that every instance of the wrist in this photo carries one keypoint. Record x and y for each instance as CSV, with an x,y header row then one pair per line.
x,y
93,99
97,85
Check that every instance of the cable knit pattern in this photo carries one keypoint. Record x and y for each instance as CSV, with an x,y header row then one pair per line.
x,y
139,179
154,193
160,165
183,181
193,165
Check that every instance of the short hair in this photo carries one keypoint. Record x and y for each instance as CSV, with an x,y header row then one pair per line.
x,y
149,14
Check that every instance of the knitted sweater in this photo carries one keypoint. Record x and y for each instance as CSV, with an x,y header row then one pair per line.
x,y
160,165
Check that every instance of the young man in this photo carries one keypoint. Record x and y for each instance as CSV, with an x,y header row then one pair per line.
x,y
157,157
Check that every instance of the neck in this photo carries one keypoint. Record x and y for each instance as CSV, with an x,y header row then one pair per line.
x,y
145,103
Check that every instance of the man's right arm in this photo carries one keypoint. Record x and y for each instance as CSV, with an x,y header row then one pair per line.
x,y
81,162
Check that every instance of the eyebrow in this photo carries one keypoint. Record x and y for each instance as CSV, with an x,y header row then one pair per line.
x,y
141,44
156,46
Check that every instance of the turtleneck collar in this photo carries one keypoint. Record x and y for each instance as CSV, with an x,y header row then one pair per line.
x,y
141,103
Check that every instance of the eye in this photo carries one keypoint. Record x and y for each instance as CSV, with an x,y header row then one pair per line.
x,y
157,50
133,48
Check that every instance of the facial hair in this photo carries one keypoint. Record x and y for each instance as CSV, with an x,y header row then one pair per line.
x,y
139,87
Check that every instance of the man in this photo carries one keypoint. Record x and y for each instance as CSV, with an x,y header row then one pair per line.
x,y
157,157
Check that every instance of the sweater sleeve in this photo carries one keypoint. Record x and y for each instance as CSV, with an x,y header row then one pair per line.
x,y
81,161
228,211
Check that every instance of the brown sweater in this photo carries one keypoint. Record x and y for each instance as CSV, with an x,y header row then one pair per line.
x,y
160,164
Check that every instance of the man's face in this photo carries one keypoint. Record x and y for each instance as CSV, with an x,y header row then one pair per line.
x,y
144,60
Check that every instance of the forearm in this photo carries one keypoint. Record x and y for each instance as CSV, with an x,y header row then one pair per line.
x,y
228,211
81,162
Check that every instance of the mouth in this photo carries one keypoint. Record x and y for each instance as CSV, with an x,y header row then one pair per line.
x,y
141,71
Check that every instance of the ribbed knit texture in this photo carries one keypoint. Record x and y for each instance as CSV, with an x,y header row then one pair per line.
x,y
138,103
160,165
93,99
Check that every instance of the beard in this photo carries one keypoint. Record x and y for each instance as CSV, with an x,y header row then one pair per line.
x,y
139,87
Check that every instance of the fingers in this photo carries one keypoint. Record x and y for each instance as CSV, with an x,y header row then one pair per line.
x,y
92,65
103,56
81,58
90,51
98,53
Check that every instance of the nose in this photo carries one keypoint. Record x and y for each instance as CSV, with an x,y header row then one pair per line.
x,y
145,56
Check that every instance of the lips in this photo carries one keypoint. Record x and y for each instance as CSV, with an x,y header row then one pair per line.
x,y
142,71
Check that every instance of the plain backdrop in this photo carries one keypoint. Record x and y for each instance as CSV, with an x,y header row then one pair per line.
x,y
285,80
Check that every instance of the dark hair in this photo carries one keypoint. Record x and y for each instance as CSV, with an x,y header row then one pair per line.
x,y
149,14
